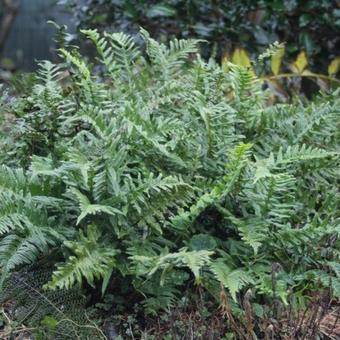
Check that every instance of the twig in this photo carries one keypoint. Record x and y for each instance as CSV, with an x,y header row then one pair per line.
x,y
335,321
297,75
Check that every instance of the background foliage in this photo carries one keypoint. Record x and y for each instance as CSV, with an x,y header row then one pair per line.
x,y
225,24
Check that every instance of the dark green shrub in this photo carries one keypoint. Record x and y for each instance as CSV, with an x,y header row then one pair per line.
x,y
248,23
168,171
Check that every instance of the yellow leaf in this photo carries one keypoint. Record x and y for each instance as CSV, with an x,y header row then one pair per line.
x,y
241,57
334,66
276,60
225,61
301,62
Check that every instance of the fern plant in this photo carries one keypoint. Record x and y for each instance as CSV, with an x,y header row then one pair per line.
x,y
166,170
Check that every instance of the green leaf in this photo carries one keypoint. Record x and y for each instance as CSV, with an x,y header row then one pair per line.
x,y
160,11
106,280
203,242
49,322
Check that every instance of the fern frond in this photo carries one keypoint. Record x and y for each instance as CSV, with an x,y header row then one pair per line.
x,y
86,208
78,63
300,153
106,53
246,89
237,161
25,247
169,60
43,166
13,180
124,52
234,280
194,260
90,261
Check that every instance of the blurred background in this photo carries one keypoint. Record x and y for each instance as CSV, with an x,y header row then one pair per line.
x,y
26,36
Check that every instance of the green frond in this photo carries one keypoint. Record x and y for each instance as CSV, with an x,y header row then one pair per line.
x,y
300,153
90,261
78,63
24,248
86,208
168,161
194,260
254,231
246,90
106,52
237,161
48,90
91,115
13,180
43,166
169,60
124,53
159,297
233,280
